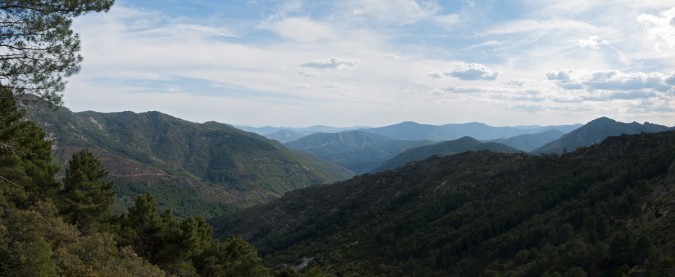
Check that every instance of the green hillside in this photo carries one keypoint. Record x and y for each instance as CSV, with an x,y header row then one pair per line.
x,y
442,149
605,210
209,168
358,151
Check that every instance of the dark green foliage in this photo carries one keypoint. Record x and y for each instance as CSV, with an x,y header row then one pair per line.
x,y
26,169
597,211
37,47
86,198
185,246
36,241
233,257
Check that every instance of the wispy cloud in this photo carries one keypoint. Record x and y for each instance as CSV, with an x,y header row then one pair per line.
x,y
332,63
382,60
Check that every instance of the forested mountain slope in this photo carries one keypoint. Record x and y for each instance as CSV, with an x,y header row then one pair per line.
x,y
442,149
208,168
601,210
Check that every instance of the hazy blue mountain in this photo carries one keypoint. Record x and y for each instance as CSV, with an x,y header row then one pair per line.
x,y
285,135
192,168
482,131
595,132
529,142
442,149
415,131
358,151
267,130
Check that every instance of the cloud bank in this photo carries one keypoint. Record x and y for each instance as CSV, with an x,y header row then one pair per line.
x,y
614,80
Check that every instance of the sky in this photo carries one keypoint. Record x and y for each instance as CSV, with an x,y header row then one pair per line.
x,y
343,63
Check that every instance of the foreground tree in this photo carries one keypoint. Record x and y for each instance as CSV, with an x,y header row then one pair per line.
x,y
26,168
185,247
86,198
38,48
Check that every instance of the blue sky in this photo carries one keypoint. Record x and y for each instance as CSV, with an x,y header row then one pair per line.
x,y
378,62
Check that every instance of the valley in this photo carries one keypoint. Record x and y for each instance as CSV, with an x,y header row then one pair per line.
x,y
295,138
454,207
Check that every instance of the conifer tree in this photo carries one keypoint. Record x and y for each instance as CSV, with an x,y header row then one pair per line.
x,y
26,168
86,198
38,49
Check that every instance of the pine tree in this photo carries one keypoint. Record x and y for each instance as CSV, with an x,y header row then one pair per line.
x,y
26,168
142,227
86,198
38,49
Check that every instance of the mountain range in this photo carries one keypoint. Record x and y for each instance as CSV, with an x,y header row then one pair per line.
x,y
214,168
414,131
358,151
432,209
600,210
193,168
287,134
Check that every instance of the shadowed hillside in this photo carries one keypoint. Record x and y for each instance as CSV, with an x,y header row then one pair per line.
x,y
601,210
442,149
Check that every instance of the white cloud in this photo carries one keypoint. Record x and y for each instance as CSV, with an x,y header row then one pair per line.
x,y
377,56
592,42
447,20
332,63
542,26
468,72
391,12
631,84
302,29
660,28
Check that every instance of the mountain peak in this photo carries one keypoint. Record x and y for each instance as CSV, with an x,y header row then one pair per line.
x,y
603,119
595,132
467,139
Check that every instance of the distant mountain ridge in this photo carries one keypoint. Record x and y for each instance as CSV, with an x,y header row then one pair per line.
x,y
595,132
409,130
443,149
529,142
288,134
193,168
414,131
358,150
